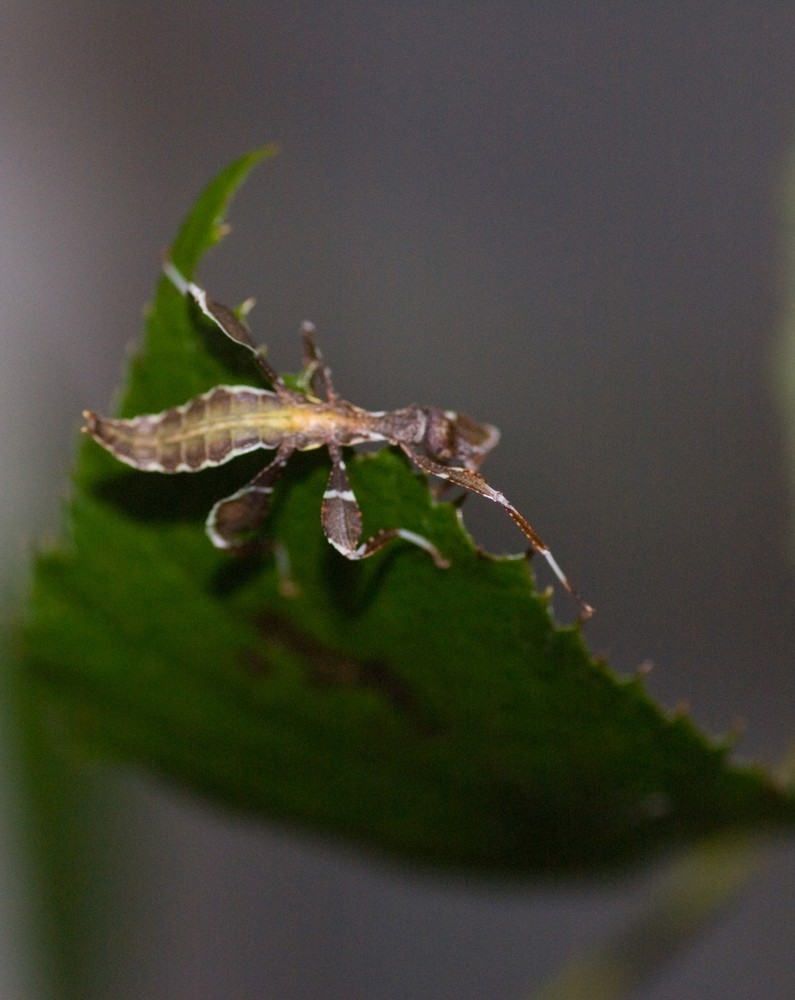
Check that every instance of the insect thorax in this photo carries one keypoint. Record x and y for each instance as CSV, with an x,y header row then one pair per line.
x,y
450,437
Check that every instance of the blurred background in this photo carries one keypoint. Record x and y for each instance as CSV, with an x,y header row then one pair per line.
x,y
564,219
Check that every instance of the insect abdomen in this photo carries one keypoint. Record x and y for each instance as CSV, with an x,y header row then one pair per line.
x,y
208,430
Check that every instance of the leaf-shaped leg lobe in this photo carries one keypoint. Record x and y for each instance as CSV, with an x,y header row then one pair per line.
x,y
233,522
342,520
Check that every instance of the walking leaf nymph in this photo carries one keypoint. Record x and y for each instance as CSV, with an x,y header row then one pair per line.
x,y
228,421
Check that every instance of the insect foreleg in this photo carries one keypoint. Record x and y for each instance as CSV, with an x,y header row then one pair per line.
x,y
470,479
233,522
342,519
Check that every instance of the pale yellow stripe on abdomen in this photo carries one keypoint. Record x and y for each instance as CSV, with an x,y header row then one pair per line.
x,y
208,430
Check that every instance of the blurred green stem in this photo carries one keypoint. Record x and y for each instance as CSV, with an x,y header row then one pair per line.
x,y
698,884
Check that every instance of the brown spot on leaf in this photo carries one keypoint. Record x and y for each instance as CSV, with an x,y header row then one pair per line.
x,y
326,668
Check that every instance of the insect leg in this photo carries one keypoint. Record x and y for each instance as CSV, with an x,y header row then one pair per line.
x,y
342,519
233,521
317,370
225,319
470,479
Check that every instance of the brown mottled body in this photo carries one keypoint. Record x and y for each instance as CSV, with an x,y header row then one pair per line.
x,y
228,421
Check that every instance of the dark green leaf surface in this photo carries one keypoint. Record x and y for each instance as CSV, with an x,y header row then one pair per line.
x,y
437,715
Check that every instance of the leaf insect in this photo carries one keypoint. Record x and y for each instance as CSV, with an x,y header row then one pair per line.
x,y
228,421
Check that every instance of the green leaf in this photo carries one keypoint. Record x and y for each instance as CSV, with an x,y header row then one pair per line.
x,y
437,715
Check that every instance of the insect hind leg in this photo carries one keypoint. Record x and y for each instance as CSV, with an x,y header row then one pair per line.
x,y
229,324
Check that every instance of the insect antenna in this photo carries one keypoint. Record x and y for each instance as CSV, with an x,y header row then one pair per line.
x,y
538,545
472,480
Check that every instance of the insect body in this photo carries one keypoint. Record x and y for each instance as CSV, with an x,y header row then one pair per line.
x,y
229,421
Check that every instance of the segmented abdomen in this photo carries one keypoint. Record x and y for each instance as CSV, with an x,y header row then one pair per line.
x,y
211,429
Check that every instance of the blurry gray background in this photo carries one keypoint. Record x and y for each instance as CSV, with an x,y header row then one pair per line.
x,y
561,218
